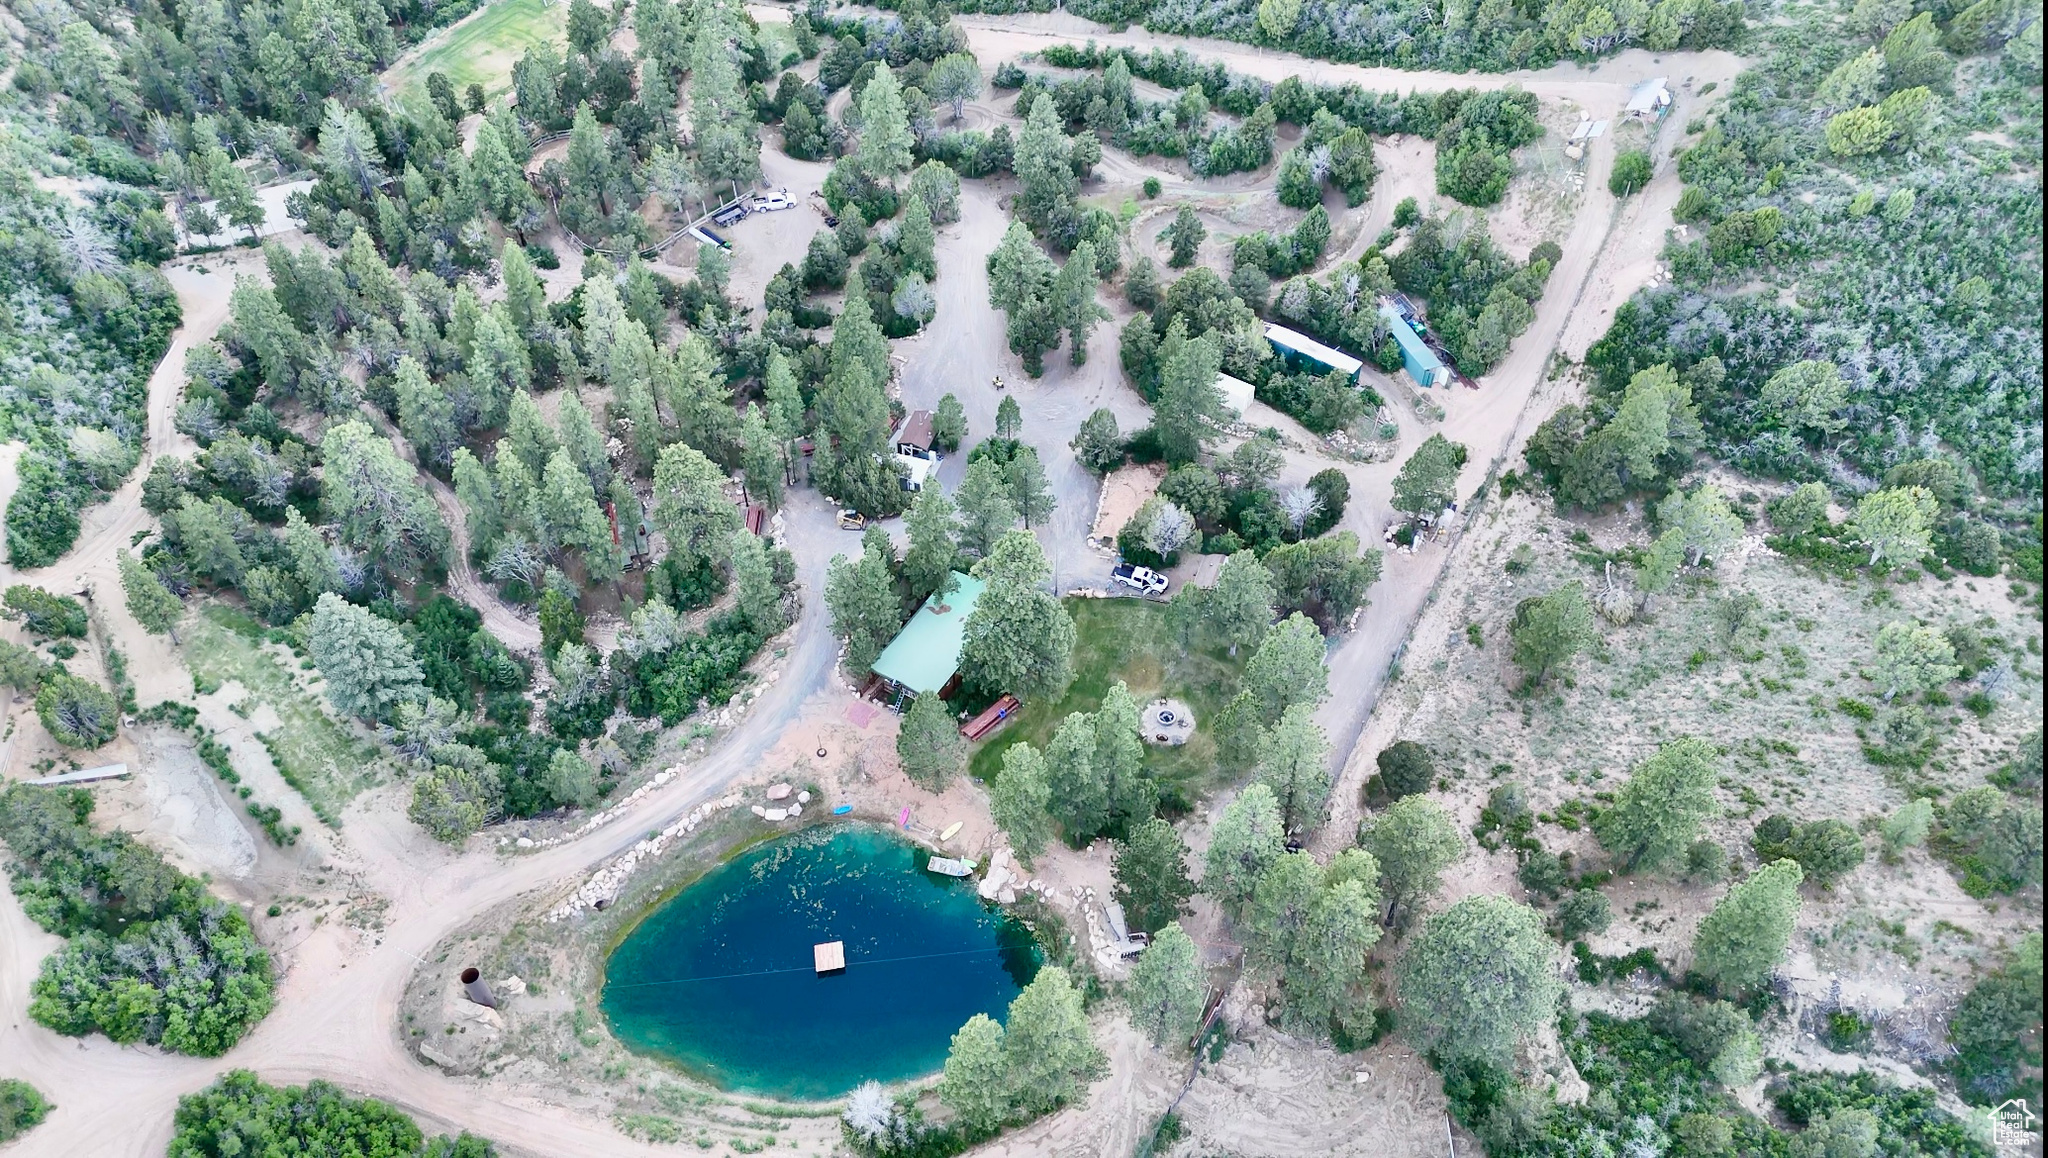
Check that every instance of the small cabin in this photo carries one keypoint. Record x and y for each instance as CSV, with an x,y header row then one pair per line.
x,y
914,438
1650,100
925,656
1417,358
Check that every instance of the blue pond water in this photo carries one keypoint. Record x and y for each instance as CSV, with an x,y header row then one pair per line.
x,y
720,978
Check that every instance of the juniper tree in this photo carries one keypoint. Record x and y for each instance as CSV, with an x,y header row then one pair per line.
x,y
1745,936
1413,841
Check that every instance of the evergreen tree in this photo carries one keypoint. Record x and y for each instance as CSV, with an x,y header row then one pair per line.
x,y
861,596
1428,481
690,507
1049,1053
987,511
1019,637
568,517
1658,812
1151,872
1294,763
1288,668
1043,164
929,558
975,1083
426,416
884,148
1184,237
1024,479
1168,991
1549,630
156,608
1413,841
761,457
1080,793
1073,298
916,243
1745,936
1188,370
1247,840
1480,977
929,744
583,443
1019,799
367,662
1120,759
1238,611
375,500
479,501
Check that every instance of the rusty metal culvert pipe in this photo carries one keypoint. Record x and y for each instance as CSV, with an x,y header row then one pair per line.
x,y
474,988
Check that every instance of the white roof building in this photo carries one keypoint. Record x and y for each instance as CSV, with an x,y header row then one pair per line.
x,y
1237,394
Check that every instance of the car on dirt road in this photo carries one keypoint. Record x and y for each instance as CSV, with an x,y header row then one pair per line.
x,y
773,202
852,520
1140,579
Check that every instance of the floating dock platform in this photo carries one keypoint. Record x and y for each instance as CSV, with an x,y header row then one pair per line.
x,y
829,957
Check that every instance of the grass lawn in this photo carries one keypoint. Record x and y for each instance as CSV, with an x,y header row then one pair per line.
x,y
315,754
484,49
1127,639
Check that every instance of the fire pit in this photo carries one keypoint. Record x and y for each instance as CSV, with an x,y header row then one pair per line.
x,y
1167,722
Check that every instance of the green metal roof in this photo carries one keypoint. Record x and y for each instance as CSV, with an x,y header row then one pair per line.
x,y
926,653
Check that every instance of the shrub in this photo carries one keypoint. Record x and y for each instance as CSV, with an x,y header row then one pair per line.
x,y
21,1108
77,712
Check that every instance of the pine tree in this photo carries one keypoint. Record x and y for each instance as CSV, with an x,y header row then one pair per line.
x,y
1745,936
1151,870
1019,799
375,501
1043,163
1080,792
1184,237
1295,765
861,595
155,607
1188,370
1168,990
1049,1053
368,663
1288,668
1428,481
1025,479
583,442
1480,977
761,457
499,366
929,559
929,744
1074,304
1656,815
753,580
1239,609
1414,840
1019,637
690,507
916,242
975,1083
569,517
1247,840
987,511
884,148
1120,760
528,434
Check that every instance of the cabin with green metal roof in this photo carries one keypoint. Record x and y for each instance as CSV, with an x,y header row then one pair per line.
x,y
925,656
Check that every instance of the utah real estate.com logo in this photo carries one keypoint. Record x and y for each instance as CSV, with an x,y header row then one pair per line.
x,y
2012,1124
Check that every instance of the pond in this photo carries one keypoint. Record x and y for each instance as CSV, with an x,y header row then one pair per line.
x,y
721,980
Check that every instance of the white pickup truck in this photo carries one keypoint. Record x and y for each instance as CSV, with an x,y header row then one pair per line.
x,y
1137,578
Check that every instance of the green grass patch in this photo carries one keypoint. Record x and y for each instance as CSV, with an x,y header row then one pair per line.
x,y
314,754
483,50
1128,640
